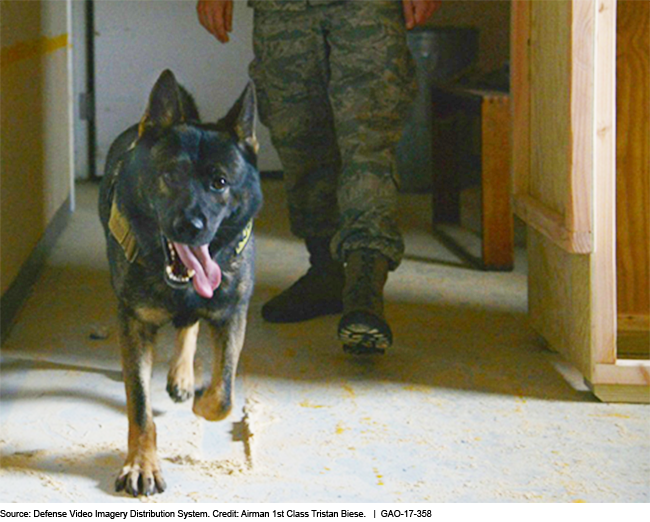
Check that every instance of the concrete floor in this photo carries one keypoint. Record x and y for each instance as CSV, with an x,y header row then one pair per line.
x,y
467,406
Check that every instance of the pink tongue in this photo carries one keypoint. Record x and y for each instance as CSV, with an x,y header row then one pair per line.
x,y
207,274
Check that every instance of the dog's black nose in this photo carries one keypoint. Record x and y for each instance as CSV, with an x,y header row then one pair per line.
x,y
188,227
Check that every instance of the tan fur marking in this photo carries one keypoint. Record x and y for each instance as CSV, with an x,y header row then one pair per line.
x,y
141,472
180,380
142,126
157,316
216,402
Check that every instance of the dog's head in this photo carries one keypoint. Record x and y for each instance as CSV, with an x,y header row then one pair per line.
x,y
201,180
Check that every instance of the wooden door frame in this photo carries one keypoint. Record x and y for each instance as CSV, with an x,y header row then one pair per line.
x,y
587,225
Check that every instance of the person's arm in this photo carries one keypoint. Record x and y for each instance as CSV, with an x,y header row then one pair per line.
x,y
417,12
216,17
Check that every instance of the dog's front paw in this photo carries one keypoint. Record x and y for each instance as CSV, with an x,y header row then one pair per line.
x,y
212,404
180,383
140,476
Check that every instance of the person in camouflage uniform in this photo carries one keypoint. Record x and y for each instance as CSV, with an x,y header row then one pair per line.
x,y
335,81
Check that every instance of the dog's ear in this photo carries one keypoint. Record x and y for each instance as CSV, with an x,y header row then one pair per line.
x,y
164,108
241,118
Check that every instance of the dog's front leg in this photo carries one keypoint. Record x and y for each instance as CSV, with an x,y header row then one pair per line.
x,y
216,401
141,474
180,380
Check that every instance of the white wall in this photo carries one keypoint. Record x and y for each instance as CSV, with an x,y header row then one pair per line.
x,y
136,40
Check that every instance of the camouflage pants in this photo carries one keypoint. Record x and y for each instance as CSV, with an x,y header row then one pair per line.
x,y
334,85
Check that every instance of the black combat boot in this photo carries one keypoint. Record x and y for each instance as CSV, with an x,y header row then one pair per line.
x,y
363,329
318,292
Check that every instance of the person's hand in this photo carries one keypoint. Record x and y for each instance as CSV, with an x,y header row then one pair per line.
x,y
417,12
216,17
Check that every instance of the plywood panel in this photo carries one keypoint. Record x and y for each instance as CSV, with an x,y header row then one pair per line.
x,y
550,73
559,300
633,164
553,89
572,297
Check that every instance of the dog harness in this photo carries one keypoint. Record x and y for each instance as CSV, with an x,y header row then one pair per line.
x,y
121,231
123,234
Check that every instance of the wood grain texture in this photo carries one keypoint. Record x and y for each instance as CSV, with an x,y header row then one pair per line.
x,y
603,260
520,95
498,224
624,372
559,299
578,209
552,85
550,100
552,225
572,298
633,161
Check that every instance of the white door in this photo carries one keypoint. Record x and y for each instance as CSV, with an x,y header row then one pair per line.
x,y
136,40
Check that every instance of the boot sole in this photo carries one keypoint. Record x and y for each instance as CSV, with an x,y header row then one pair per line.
x,y
364,334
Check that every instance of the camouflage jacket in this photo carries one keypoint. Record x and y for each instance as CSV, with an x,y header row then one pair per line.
x,y
286,5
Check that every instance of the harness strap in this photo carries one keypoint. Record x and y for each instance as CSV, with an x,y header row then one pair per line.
x,y
246,235
121,230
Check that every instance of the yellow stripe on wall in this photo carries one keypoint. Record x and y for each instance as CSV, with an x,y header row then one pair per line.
x,y
32,48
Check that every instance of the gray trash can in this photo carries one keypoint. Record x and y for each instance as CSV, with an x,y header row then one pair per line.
x,y
440,53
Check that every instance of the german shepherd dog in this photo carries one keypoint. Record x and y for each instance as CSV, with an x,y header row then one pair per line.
x,y
177,202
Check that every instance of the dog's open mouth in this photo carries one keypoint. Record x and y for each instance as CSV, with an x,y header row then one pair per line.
x,y
186,264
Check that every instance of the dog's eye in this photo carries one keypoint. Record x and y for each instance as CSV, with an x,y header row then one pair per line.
x,y
219,184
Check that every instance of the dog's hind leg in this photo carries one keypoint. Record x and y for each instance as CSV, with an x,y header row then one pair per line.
x,y
180,379
141,474
216,401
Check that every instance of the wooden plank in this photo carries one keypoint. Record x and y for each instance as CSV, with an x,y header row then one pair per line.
x,y
559,299
520,95
497,219
552,225
550,103
633,163
633,322
624,371
603,260
578,209
621,393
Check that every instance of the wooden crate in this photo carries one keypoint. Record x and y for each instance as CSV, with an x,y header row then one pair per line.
x,y
569,182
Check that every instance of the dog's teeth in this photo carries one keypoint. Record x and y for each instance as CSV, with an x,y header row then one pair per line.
x,y
178,278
